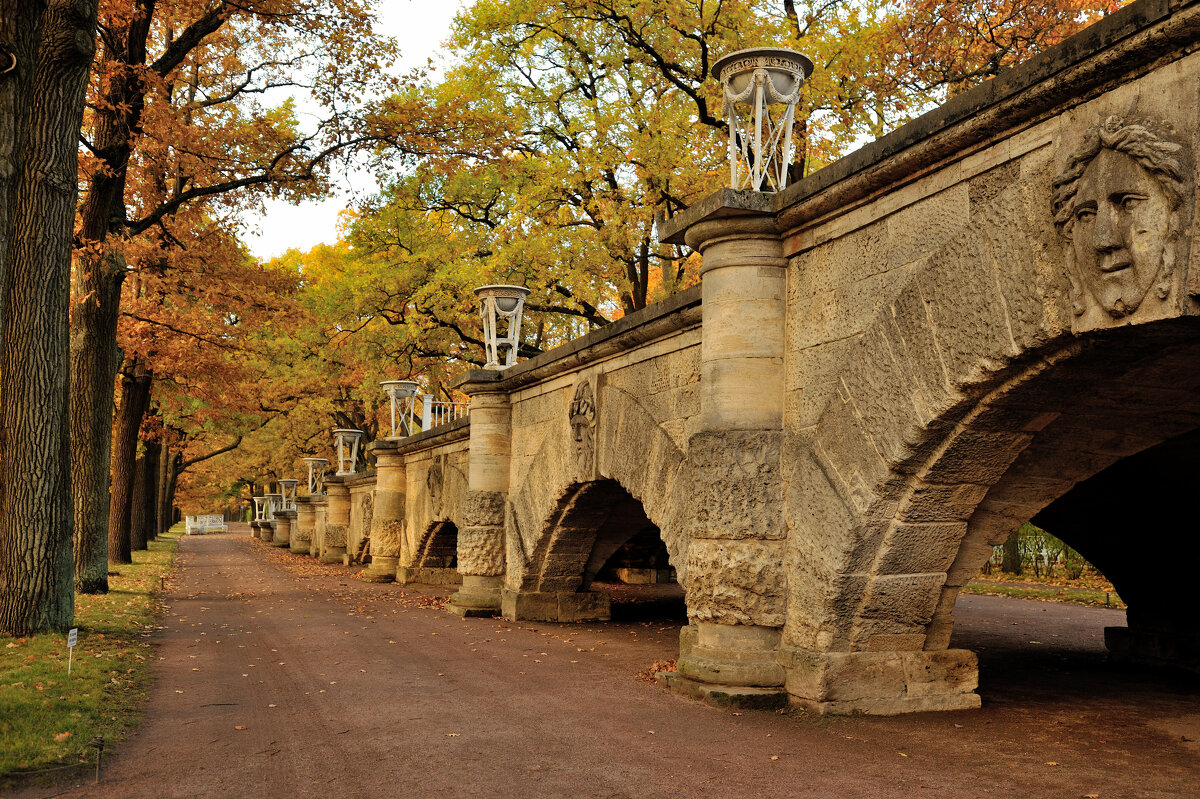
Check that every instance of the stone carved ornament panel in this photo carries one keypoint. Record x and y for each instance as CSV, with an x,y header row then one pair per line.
x,y
1120,204
582,416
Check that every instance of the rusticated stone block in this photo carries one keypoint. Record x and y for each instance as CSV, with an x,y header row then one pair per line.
x,y
735,482
386,537
737,582
335,535
483,508
481,550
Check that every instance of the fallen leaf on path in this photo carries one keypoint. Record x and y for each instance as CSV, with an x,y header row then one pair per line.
x,y
1051,763
452,735
239,726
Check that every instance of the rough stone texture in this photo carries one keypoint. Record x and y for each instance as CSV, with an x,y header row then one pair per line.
x,y
386,537
736,582
481,550
736,486
483,508
881,683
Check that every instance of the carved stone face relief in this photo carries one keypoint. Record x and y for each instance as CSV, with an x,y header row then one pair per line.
x,y
1117,202
583,419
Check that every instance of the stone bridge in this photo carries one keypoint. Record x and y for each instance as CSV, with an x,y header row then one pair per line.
x,y
984,318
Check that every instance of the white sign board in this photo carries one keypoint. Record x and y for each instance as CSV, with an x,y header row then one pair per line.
x,y
72,640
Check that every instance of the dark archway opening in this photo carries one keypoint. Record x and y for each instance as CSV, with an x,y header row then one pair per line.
x,y
436,559
1124,522
640,582
1111,428
602,551
440,548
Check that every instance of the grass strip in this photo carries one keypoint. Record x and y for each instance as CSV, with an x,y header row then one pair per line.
x,y
1090,597
47,719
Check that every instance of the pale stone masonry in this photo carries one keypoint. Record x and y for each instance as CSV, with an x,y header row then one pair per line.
x,y
984,318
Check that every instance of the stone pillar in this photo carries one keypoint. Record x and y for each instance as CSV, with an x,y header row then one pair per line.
x,y
387,521
320,514
337,522
254,529
481,539
283,528
735,577
302,525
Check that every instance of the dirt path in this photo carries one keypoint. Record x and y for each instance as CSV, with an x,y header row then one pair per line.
x,y
355,690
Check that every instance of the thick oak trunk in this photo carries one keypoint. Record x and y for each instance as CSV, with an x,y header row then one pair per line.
x,y
19,22
135,397
166,463
173,470
137,510
95,360
36,586
96,292
148,488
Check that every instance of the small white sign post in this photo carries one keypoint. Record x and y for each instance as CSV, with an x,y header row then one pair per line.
x,y
72,639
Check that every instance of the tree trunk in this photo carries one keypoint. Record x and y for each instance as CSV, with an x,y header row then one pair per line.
x,y
137,510
169,496
36,586
18,42
95,358
166,499
135,395
160,488
1011,562
94,363
149,492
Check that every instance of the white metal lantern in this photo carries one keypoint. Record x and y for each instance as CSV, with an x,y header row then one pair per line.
x,y
760,147
402,395
260,508
346,441
287,488
274,505
316,475
501,305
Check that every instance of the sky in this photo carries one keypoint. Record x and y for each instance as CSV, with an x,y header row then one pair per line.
x,y
419,26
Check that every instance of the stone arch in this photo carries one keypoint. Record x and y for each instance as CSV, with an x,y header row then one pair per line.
x,y
433,517
437,548
556,518
970,405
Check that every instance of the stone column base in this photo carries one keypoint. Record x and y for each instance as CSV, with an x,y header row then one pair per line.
x,y
881,683
724,696
407,575
479,596
559,606
381,570
333,555
276,542
300,547
728,665
1150,647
